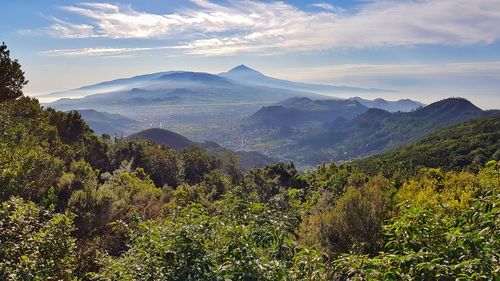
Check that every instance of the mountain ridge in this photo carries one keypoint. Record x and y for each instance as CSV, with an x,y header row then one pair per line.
x,y
239,74
393,106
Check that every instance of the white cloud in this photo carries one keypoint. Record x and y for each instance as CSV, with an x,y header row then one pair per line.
x,y
328,7
246,26
478,81
69,30
93,51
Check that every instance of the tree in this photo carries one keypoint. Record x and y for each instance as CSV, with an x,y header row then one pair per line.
x,y
11,76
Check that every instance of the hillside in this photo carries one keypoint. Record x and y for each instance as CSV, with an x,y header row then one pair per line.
x,y
468,145
297,111
107,123
166,137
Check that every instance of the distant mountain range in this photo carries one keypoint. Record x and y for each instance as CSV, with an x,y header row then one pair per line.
x,y
239,85
242,75
180,89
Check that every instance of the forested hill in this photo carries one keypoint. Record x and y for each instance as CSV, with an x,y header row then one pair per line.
x,y
468,145
166,137
246,159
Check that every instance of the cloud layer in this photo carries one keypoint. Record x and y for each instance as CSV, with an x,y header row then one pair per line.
x,y
247,26
484,70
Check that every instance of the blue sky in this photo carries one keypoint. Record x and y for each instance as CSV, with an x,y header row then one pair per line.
x,y
426,50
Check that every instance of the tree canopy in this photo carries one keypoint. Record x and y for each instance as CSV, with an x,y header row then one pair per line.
x,y
11,76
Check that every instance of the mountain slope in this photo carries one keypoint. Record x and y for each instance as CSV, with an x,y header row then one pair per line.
x,y
107,86
107,123
166,137
467,145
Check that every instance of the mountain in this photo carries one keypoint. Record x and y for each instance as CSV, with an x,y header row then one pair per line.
x,y
248,159
371,131
450,109
184,89
246,75
166,137
107,86
467,145
297,111
204,79
393,106
240,84
377,130
107,123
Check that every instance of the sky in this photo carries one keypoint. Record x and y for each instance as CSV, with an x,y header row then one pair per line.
x,y
424,50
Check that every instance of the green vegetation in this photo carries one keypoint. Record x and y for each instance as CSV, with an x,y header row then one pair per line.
x,y
467,145
75,206
11,76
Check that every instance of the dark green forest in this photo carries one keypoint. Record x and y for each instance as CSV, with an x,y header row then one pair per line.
x,y
77,206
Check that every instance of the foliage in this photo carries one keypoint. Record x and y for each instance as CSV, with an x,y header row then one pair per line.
x,y
468,145
424,243
241,241
35,244
354,221
159,161
11,76
196,163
